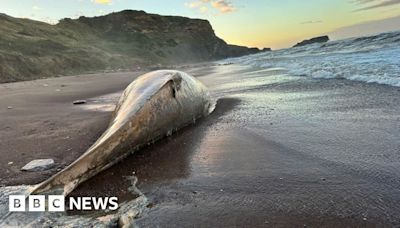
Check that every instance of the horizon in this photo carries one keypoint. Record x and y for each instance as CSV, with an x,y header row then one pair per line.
x,y
237,22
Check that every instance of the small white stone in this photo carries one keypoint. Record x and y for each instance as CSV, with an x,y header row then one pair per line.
x,y
10,163
38,165
9,107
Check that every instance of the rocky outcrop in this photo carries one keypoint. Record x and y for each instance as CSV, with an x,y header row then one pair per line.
x,y
235,51
124,40
320,39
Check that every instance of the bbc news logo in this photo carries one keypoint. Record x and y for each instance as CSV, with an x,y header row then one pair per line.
x,y
56,203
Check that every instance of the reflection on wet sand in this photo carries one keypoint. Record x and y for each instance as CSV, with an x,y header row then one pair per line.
x,y
166,160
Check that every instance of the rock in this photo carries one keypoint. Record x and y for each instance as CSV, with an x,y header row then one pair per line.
x,y
38,165
9,107
236,51
77,102
10,163
320,39
266,49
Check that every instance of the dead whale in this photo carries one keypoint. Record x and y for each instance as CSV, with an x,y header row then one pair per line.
x,y
152,106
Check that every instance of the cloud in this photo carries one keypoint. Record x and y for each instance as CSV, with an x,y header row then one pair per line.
x,y
367,28
102,1
374,4
311,22
36,8
221,6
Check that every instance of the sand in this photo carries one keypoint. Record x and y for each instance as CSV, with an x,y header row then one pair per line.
x,y
43,123
278,151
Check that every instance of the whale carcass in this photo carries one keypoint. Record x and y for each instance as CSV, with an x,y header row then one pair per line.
x,y
151,107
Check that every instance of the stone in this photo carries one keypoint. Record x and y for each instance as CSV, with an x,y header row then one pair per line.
x,y
320,39
77,102
38,165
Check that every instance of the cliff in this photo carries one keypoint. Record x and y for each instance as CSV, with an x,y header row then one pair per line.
x,y
123,40
320,39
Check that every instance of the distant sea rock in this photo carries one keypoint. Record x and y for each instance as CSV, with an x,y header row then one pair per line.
x,y
235,51
320,39
127,40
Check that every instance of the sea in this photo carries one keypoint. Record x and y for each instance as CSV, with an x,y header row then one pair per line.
x,y
370,59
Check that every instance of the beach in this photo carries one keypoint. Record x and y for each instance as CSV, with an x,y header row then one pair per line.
x,y
279,150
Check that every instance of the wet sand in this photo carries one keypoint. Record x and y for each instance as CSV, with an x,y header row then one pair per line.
x,y
278,151
43,122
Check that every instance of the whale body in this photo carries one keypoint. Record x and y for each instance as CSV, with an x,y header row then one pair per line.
x,y
151,107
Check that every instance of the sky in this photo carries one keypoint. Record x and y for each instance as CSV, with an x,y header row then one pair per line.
x,y
257,23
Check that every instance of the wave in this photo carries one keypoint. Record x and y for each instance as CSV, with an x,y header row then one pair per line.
x,y
372,59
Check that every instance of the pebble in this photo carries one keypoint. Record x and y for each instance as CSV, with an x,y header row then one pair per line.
x,y
79,102
10,163
38,165
9,107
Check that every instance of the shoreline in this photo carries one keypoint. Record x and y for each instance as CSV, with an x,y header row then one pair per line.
x,y
283,151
